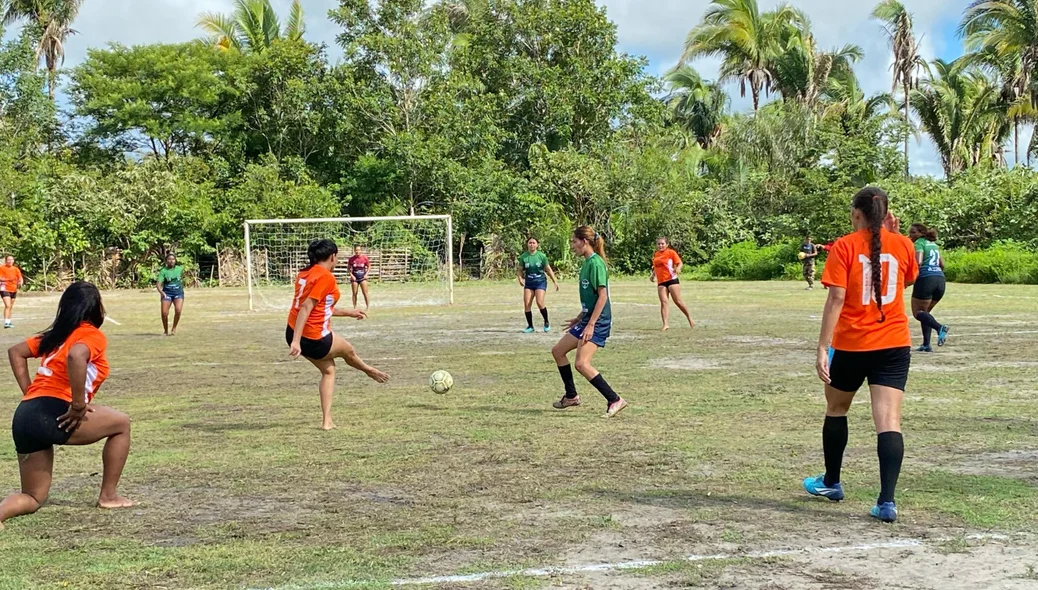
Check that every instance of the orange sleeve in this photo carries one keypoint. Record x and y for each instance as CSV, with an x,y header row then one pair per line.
x,y
912,271
675,257
34,345
837,266
322,287
95,342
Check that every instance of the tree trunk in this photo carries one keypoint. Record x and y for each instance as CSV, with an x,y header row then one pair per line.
x,y
461,247
1016,142
908,133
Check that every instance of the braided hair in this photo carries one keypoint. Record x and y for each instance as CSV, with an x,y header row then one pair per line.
x,y
873,202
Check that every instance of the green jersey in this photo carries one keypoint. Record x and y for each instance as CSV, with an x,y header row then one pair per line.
x,y
171,278
594,275
931,264
533,264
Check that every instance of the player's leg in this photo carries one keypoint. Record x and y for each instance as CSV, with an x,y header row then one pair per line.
x,y
105,423
887,380
675,294
342,349
663,294
566,344
35,470
847,372
938,295
528,295
354,286
326,389
539,295
921,302
178,308
364,291
166,303
585,352
8,308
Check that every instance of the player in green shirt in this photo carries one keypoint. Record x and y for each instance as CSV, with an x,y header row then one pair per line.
x,y
170,284
929,286
533,266
588,332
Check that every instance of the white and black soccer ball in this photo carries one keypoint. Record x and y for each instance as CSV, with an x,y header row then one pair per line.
x,y
441,382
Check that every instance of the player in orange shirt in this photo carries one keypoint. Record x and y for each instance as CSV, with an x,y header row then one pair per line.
x,y
865,336
666,268
309,332
10,279
57,405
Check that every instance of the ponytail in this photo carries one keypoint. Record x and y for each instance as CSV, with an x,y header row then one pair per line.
x,y
931,234
592,237
928,233
873,203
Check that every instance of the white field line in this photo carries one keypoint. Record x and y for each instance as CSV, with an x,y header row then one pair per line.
x,y
109,318
627,565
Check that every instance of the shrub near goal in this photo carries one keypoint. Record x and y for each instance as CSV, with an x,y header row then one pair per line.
x,y
411,258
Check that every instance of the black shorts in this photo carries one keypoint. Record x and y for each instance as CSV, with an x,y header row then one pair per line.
x,y
9,294
35,425
929,288
312,349
669,283
887,367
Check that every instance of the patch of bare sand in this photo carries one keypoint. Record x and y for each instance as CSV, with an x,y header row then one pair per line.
x,y
765,341
686,363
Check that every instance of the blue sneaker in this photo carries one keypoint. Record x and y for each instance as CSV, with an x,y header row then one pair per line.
x,y
924,349
942,335
816,487
887,512
528,331
547,328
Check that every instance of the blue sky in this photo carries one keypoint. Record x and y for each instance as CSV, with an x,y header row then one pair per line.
x,y
653,28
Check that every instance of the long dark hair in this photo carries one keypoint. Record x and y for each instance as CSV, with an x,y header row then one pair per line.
x,y
873,203
80,303
590,236
927,232
319,251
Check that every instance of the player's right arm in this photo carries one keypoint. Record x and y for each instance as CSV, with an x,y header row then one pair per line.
x,y
519,273
19,356
158,283
295,349
830,316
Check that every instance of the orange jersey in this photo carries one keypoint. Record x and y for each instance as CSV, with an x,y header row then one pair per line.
x,y
10,276
52,376
665,265
319,284
848,267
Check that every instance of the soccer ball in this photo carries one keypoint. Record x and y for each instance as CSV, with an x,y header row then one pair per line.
x,y
802,256
441,382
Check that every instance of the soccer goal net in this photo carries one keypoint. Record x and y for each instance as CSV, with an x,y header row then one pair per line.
x,y
410,259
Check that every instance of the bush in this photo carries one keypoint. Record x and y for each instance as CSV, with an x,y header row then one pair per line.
x,y
746,261
1004,262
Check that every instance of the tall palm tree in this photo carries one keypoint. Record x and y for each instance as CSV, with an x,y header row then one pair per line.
x,y
695,104
959,109
897,23
802,72
252,27
52,20
1004,34
747,41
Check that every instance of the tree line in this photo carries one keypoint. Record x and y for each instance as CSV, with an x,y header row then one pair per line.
x,y
518,117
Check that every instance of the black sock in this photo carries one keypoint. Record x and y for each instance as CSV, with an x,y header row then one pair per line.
x,y
566,372
927,332
544,314
929,323
890,446
607,392
529,319
834,441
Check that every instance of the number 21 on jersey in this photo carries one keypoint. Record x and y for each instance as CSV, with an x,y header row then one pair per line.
x,y
867,296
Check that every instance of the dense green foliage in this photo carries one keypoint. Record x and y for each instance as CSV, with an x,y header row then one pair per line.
x,y
517,117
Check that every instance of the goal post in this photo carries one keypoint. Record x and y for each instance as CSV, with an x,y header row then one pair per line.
x,y
411,258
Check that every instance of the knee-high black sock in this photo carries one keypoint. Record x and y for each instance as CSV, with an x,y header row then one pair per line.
x,y
890,446
529,319
929,324
834,441
566,372
544,314
607,392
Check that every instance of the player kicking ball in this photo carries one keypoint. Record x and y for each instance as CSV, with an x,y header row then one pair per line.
x,y
588,332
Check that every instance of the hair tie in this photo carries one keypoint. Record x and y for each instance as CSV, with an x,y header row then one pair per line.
x,y
596,235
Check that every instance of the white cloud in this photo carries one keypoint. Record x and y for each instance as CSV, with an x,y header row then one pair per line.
x,y
655,28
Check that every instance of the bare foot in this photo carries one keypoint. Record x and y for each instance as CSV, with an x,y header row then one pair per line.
x,y
115,503
1,527
328,426
377,375
691,323
665,328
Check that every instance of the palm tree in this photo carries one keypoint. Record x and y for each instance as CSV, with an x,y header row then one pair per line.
x,y
845,98
747,41
52,20
695,104
960,110
252,27
897,24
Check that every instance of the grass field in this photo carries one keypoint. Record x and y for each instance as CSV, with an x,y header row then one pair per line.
x,y
239,489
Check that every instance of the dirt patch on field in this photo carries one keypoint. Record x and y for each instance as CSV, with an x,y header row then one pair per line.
x,y
1021,464
686,363
765,341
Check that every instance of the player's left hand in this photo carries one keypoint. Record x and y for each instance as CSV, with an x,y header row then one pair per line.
x,y
358,314
822,366
589,331
570,323
556,287
892,224
70,420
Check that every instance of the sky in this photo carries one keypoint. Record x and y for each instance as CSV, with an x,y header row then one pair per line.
x,y
655,29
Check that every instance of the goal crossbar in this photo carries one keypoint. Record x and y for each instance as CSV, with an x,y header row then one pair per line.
x,y
449,250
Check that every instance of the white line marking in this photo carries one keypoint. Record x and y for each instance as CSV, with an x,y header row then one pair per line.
x,y
628,565
109,318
